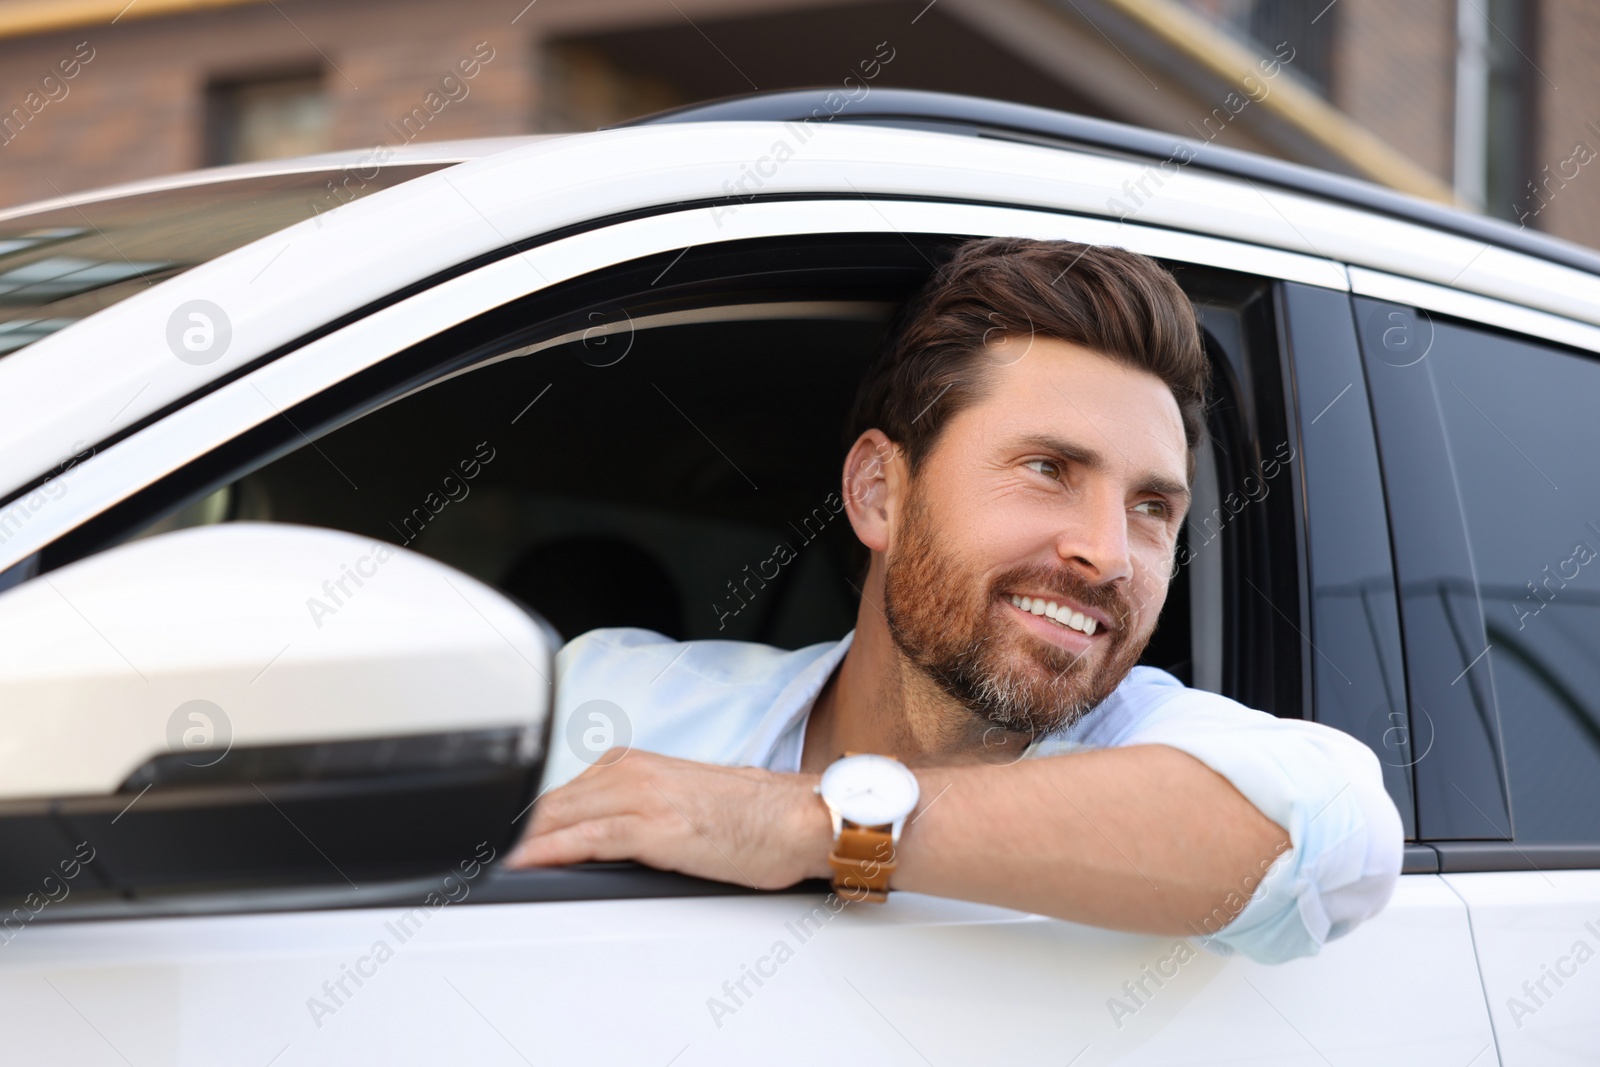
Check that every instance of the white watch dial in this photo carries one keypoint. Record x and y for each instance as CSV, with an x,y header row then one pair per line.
x,y
870,790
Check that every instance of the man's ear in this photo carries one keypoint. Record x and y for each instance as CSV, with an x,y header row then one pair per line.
x,y
874,483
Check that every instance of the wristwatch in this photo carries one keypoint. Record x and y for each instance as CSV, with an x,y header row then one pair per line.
x,y
869,798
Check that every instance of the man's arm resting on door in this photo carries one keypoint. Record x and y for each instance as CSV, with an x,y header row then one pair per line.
x,y
1143,837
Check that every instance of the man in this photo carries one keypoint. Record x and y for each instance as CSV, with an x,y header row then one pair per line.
x,y
1021,467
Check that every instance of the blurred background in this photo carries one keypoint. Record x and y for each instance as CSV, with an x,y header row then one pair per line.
x,y
1490,104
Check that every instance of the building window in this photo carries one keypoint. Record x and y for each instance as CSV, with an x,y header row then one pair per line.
x,y
584,88
1509,146
269,117
1307,27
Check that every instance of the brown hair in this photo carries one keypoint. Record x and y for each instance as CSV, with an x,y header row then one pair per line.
x,y
1120,304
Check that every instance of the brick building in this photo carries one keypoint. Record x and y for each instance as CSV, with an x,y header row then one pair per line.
x,y
1486,102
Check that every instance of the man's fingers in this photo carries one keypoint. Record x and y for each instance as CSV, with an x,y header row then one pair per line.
x,y
585,798
595,839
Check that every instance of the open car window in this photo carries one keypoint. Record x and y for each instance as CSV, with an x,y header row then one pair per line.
x,y
664,461
660,445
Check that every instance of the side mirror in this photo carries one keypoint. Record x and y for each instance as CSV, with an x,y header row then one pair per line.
x,y
252,704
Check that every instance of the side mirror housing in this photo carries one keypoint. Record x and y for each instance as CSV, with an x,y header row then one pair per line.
x,y
251,704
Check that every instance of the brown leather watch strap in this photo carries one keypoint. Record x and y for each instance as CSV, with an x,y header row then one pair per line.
x,y
862,860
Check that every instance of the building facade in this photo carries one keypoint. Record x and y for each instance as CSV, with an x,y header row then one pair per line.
x,y
1486,103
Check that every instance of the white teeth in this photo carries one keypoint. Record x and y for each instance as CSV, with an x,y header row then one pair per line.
x,y
1063,616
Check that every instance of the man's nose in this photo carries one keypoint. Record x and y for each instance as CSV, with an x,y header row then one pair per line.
x,y
1096,540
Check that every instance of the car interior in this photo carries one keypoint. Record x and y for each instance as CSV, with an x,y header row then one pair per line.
x,y
671,471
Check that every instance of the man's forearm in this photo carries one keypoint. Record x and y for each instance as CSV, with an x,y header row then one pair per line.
x,y
1144,838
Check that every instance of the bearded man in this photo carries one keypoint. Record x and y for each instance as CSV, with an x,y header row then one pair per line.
x,y
1023,451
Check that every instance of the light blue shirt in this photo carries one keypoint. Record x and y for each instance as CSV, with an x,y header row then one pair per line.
x,y
743,704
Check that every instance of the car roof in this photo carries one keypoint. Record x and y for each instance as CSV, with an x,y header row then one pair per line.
x,y
976,116
282,289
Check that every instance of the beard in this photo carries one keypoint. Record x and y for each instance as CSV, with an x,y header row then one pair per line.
x,y
954,631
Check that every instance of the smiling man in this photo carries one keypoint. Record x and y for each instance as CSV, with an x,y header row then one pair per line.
x,y
1024,447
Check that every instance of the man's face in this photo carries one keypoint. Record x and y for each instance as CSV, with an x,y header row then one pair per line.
x,y
1065,485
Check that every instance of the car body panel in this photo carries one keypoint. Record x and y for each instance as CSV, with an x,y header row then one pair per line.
x,y
646,981
1538,940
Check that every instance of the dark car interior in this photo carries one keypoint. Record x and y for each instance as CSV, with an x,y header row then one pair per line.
x,y
675,477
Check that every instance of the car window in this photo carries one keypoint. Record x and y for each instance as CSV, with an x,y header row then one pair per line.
x,y
680,475
60,264
1519,417
615,451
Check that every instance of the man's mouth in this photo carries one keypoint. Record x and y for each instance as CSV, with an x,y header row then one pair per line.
x,y
1062,614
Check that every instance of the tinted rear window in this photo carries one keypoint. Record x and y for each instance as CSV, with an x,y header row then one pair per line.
x,y
1520,417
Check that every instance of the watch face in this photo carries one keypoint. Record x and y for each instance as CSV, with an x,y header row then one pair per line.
x,y
870,790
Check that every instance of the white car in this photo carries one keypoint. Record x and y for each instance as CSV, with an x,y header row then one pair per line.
x,y
307,467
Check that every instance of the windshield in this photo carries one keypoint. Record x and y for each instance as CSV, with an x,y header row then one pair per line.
x,y
63,263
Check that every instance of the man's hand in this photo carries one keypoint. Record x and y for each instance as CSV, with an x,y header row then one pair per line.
x,y
732,824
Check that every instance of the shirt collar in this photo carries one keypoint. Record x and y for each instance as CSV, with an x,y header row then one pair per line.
x,y
792,704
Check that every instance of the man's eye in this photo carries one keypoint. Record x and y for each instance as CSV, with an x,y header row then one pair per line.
x,y
1046,467
1159,508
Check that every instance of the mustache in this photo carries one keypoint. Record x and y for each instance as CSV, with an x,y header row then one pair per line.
x,y
1107,599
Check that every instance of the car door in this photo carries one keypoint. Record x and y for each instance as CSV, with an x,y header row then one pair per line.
x,y
568,387
1492,407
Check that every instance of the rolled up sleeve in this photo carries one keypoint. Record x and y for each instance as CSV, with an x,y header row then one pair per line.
x,y
1325,789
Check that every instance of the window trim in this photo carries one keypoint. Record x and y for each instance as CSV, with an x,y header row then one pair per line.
x,y
1482,310
1323,348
